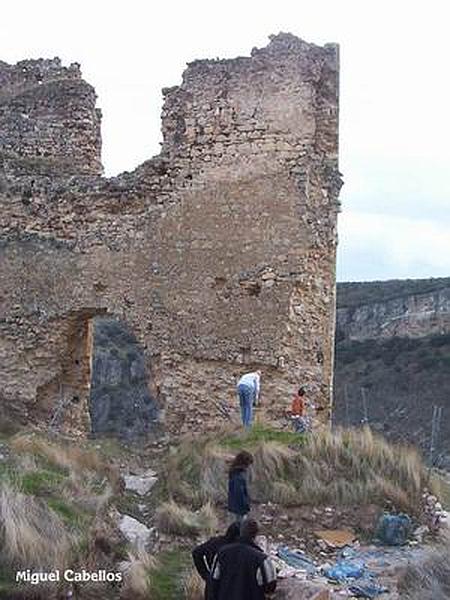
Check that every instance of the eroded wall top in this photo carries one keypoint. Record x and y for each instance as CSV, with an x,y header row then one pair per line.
x,y
47,111
283,93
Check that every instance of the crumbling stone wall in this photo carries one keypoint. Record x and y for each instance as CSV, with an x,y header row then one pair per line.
x,y
47,111
219,254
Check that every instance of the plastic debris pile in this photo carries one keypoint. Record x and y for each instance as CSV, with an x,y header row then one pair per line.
x,y
353,572
434,515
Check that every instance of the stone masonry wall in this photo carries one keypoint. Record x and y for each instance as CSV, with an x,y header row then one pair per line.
x,y
219,254
48,111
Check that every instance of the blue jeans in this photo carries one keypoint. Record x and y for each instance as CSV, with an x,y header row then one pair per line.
x,y
300,424
246,398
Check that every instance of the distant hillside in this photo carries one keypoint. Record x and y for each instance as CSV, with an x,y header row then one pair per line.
x,y
393,358
350,295
384,309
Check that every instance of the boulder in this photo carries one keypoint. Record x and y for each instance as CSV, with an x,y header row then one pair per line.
x,y
141,484
293,589
134,531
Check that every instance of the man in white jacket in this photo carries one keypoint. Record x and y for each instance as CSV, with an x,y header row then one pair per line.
x,y
248,389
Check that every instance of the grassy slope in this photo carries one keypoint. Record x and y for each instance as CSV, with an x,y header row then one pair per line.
x,y
167,580
291,470
344,468
49,491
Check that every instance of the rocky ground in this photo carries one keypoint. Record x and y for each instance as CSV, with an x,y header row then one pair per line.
x,y
140,473
303,529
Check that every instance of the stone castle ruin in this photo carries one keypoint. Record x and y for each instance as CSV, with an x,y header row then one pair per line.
x,y
218,254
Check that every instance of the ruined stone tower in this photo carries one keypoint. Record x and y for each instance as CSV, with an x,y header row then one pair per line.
x,y
48,112
219,254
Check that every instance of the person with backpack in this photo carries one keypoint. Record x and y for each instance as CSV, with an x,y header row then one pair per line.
x,y
204,554
238,496
242,571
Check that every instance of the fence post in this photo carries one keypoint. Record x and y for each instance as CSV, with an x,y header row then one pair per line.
x,y
364,403
347,417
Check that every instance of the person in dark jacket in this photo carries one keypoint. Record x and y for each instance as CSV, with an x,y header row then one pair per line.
x,y
241,571
238,497
204,554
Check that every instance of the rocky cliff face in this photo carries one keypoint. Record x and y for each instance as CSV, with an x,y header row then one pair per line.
x,y
396,310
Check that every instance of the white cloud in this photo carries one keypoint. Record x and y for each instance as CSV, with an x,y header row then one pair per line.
x,y
382,246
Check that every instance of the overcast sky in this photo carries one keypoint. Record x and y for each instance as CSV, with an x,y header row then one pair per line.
x,y
395,99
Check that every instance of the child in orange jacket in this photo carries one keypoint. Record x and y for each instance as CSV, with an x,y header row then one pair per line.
x,y
298,411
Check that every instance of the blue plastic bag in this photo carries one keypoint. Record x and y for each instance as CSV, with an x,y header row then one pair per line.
x,y
346,569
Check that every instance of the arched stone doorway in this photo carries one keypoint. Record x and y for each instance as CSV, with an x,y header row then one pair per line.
x,y
123,399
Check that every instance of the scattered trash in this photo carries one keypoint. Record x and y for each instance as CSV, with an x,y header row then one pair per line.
x,y
367,590
393,530
433,513
297,560
356,570
336,538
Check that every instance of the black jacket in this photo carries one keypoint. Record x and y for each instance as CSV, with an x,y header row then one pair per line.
x,y
238,498
205,553
235,573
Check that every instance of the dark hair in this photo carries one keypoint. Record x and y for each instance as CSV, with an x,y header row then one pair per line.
x,y
241,461
232,533
249,529
301,391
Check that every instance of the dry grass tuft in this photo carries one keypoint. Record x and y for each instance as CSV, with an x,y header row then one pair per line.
x,y
31,534
214,468
87,492
429,580
208,522
356,466
194,586
84,467
175,519
70,458
137,580
273,463
284,493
